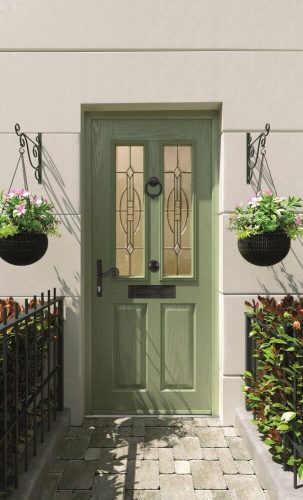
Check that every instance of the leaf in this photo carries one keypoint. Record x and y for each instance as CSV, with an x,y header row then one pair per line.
x,y
288,416
300,471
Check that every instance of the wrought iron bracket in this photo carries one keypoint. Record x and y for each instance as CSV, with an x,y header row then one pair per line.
x,y
253,151
34,150
113,271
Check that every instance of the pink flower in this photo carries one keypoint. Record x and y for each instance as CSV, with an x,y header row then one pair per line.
x,y
37,201
25,193
19,210
253,202
298,220
269,193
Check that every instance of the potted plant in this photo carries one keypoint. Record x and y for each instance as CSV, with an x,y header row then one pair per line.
x,y
25,222
265,227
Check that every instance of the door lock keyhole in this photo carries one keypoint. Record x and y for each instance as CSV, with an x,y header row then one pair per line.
x,y
153,266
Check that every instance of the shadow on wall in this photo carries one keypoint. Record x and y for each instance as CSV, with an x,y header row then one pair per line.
x,y
55,188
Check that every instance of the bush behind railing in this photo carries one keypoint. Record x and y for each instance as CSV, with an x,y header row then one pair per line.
x,y
276,327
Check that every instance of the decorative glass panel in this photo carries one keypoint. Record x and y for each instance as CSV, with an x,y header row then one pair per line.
x,y
177,210
129,210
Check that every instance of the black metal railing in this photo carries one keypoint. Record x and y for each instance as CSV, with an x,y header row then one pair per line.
x,y
253,355
31,380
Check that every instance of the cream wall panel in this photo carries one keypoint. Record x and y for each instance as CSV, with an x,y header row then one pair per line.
x,y
60,169
284,156
145,24
240,277
60,267
57,83
231,397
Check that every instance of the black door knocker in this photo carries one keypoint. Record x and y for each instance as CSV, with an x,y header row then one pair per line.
x,y
153,182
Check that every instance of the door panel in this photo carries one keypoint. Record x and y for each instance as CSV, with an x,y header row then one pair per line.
x,y
152,355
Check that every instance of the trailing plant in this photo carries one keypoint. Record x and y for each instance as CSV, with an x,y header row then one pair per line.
x,y
22,212
266,213
276,327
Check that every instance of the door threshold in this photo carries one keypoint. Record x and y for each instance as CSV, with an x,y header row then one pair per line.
x,y
151,415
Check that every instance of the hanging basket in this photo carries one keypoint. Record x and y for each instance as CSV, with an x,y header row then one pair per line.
x,y
264,249
24,248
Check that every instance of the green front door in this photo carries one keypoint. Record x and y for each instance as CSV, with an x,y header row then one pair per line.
x,y
151,218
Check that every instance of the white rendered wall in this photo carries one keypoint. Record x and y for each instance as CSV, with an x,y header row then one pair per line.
x,y
57,56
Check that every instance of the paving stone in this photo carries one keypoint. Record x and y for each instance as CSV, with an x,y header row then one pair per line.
x,y
86,431
143,495
170,422
58,465
151,421
108,487
91,422
112,466
182,467
159,437
73,431
103,437
134,445
78,475
246,487
120,422
214,422
81,495
151,453
207,475
244,467
200,422
228,465
73,448
210,453
223,495
237,448
211,437
189,429
142,475
174,485
229,431
50,485
203,495
125,431
166,461
138,430
92,454
187,448
63,495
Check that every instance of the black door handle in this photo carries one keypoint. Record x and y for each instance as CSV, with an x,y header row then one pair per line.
x,y
114,271
153,266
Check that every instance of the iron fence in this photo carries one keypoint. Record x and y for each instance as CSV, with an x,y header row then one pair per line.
x,y
252,357
31,380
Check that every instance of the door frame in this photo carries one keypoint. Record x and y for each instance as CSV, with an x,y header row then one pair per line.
x,y
88,113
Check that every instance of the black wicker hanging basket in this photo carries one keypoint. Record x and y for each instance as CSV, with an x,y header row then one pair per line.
x,y
23,249
264,249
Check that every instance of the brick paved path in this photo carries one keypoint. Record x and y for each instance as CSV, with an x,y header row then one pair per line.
x,y
152,458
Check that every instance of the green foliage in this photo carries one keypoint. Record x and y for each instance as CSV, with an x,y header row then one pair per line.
x,y
277,330
267,213
22,212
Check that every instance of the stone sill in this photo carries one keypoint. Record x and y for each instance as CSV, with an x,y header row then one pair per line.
x,y
273,478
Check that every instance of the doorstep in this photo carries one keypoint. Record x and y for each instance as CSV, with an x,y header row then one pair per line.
x,y
32,482
273,478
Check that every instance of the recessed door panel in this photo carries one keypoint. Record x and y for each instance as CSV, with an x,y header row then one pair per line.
x,y
177,346
129,346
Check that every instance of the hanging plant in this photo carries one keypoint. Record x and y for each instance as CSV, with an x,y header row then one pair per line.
x,y
25,222
266,226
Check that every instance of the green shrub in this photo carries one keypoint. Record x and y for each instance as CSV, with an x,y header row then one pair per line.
x,y
277,330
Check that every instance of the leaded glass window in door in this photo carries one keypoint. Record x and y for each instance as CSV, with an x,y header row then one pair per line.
x,y
177,213
130,210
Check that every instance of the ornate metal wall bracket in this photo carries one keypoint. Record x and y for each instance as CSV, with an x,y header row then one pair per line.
x,y
253,150
34,150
